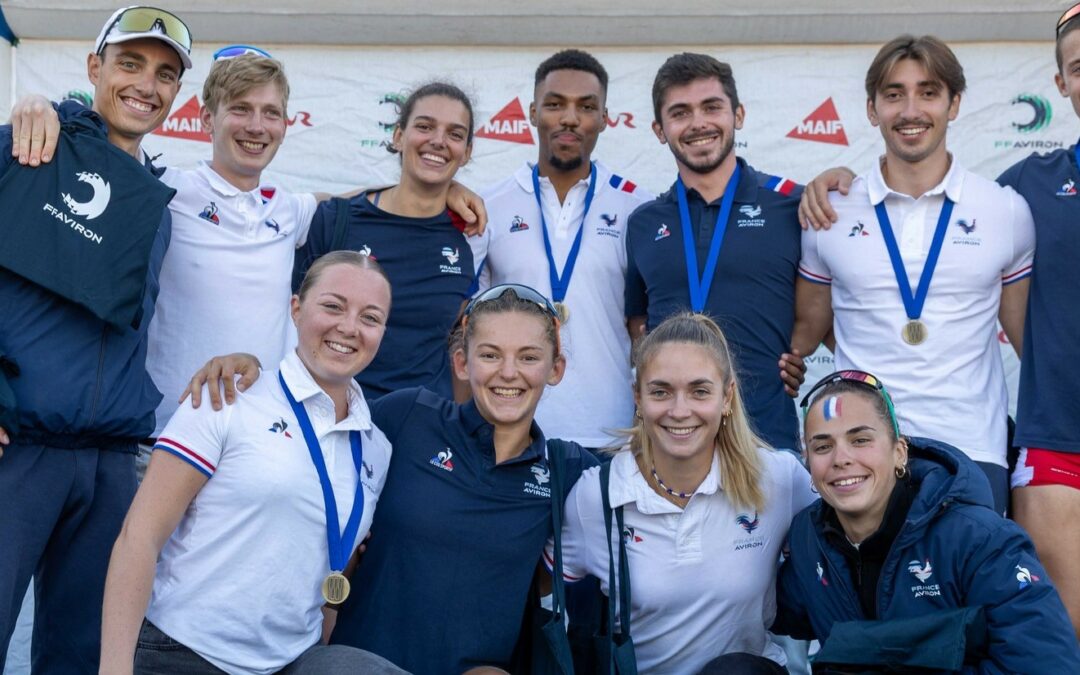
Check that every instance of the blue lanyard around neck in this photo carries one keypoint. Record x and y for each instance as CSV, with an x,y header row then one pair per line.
x,y
700,284
339,543
560,283
913,303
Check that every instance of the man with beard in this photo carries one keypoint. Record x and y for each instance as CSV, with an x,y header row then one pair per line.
x,y
566,215
724,240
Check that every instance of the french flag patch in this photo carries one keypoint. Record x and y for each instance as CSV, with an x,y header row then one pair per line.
x,y
620,183
781,185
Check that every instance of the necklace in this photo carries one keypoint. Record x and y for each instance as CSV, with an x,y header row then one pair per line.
x,y
673,493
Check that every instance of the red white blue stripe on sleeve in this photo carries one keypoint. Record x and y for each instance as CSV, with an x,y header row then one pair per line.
x,y
1019,274
620,183
780,184
187,454
816,278
550,562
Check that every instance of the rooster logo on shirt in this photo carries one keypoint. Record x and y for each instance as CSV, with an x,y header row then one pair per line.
x,y
280,427
922,571
748,524
963,225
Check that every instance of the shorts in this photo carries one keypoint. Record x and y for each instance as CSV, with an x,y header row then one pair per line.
x,y
1037,466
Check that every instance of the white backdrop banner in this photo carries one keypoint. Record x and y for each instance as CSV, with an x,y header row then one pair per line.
x,y
805,111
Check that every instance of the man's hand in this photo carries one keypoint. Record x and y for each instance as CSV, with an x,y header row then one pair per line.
x,y
792,372
35,129
469,206
814,209
220,373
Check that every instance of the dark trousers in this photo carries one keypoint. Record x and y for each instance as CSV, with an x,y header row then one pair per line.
x,y
159,654
998,476
60,512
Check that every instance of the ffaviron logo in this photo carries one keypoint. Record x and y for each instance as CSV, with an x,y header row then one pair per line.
x,y
1041,113
90,209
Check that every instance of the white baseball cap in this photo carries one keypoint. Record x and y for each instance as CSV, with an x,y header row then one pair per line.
x,y
136,22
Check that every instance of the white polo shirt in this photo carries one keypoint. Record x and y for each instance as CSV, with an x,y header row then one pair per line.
x,y
703,578
595,395
239,580
226,278
951,387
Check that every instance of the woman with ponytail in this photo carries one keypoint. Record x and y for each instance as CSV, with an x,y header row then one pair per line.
x,y
706,505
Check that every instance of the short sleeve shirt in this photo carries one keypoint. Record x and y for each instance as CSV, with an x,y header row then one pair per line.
x,y
1047,405
753,291
239,580
703,577
594,339
432,271
225,242
456,540
951,387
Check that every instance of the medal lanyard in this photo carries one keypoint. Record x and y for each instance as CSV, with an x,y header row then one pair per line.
x,y
913,304
700,284
1076,154
560,283
339,543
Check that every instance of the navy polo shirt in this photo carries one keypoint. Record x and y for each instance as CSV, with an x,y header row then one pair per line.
x,y
455,540
753,292
431,271
1047,406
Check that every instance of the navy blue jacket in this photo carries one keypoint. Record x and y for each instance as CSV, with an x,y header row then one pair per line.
x,y
83,383
952,551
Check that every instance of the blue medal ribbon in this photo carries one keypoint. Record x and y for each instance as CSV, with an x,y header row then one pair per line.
x,y
700,284
560,283
913,304
1076,154
338,542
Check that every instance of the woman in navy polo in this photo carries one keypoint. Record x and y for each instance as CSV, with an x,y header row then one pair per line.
x,y
466,509
904,535
409,230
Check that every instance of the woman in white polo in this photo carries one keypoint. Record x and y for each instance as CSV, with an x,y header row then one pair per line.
x,y
252,512
706,506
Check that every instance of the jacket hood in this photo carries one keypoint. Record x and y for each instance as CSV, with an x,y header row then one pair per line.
x,y
944,474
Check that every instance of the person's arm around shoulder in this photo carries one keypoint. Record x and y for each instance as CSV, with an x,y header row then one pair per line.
x,y
173,479
1016,279
815,210
35,130
1026,620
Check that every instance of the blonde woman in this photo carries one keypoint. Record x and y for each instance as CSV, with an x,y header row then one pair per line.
x,y
706,507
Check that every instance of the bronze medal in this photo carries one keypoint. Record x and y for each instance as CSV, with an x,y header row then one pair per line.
x,y
335,588
914,332
564,312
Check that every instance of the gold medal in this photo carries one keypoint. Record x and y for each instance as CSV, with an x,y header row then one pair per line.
x,y
914,332
335,588
564,312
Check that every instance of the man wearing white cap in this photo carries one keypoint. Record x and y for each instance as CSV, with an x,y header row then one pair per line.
x,y
83,397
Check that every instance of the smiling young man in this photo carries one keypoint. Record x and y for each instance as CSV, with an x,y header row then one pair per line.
x,y
233,232
1046,483
83,396
560,226
924,260
723,241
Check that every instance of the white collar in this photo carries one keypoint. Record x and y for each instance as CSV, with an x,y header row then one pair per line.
x,y
523,176
218,183
303,387
951,185
627,485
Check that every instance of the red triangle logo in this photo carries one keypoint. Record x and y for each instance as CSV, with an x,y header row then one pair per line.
x,y
823,125
509,124
185,123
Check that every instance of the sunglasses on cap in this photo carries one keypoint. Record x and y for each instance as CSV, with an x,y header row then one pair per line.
x,y
1069,15
522,292
859,377
145,19
232,51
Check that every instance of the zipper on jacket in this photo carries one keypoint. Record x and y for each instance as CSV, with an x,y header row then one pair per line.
x,y
97,380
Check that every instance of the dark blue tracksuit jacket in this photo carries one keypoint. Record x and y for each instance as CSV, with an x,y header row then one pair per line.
x,y
952,551
83,383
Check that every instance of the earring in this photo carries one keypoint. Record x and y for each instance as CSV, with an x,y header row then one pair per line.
x,y
901,471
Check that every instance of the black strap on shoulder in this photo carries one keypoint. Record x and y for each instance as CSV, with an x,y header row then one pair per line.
x,y
556,461
341,225
623,586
